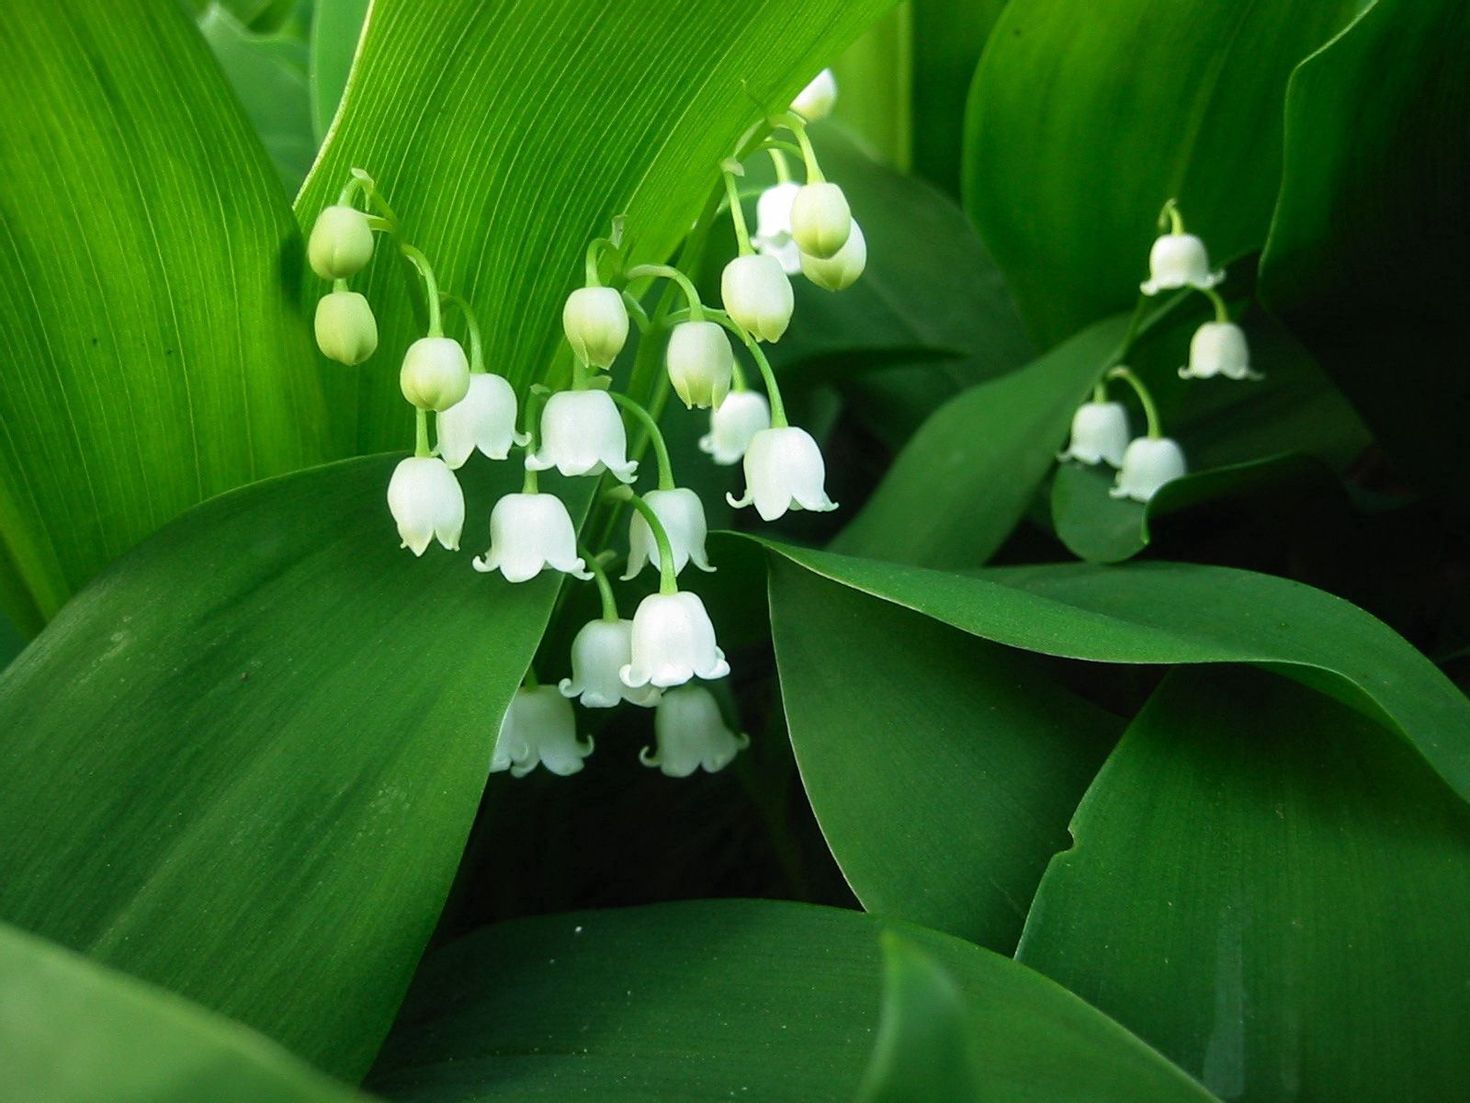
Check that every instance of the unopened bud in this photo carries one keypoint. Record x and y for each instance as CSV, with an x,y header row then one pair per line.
x,y
346,330
435,373
817,99
757,294
821,220
840,271
341,243
596,324
701,363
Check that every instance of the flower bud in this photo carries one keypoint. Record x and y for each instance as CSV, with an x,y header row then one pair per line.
x,y
1148,464
817,99
673,641
1099,432
435,373
784,470
341,243
757,294
821,220
426,502
772,237
600,650
701,363
539,729
346,330
1219,348
733,424
596,324
485,418
582,434
1179,260
691,733
682,515
841,270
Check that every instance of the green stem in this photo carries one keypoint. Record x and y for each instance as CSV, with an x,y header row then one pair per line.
x,y
773,391
381,225
797,125
347,197
1150,411
737,377
604,586
532,415
1222,312
778,150
1170,216
370,188
691,293
1100,391
339,285
636,312
667,579
477,348
421,434
594,254
737,211
431,287
660,447
529,681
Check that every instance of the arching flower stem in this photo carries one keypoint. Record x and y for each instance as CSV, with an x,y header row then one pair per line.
x,y
773,389
729,170
375,197
532,431
691,293
793,122
1170,218
431,286
604,585
1150,411
421,433
477,348
667,580
1222,312
660,447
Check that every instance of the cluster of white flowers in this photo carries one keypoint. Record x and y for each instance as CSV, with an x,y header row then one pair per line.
x,y
1100,430
658,658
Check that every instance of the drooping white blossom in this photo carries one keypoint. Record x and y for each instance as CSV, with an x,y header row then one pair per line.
x,y
1179,260
599,652
733,425
757,293
784,471
582,434
673,641
529,532
772,237
701,363
346,330
821,220
539,729
435,373
691,733
682,515
596,323
1148,464
1099,432
818,98
1219,348
426,502
485,418
341,243
841,270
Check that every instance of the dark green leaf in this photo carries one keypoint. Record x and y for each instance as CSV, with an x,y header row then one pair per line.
x,y
948,38
243,763
1271,889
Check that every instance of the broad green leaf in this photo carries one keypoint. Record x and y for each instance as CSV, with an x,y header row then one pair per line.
x,y
72,1031
700,1000
336,27
243,763
1001,752
1084,118
948,37
875,88
1169,613
1366,259
509,135
1272,890
152,357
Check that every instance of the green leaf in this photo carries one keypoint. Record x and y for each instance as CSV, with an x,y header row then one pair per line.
x,y
948,38
875,88
1168,613
1366,259
544,123
1001,752
72,1031
243,763
152,357
1198,119
1272,890
707,999
336,26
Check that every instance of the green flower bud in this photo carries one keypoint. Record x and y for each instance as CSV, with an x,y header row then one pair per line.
x,y
841,270
346,330
821,220
341,243
435,373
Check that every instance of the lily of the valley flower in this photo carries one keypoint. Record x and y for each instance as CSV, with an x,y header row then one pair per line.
x,y
539,729
346,330
485,418
682,514
691,734
435,373
600,650
733,425
1099,432
596,323
772,237
757,294
1219,348
784,470
529,532
817,99
1148,464
426,502
582,434
341,243
1179,260
841,270
700,362
821,220
673,641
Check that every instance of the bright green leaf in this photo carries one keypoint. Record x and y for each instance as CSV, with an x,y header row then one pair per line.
x,y
243,763
335,28
1272,890
152,356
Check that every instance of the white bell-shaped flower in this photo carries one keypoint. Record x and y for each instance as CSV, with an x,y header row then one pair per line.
x,y
599,652
1179,260
757,294
821,221
733,424
596,323
784,470
341,243
435,373
1219,348
426,502
673,641
485,418
691,733
840,271
529,532
682,514
539,729
582,434
1148,464
817,99
772,237
701,363
1099,432
346,330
